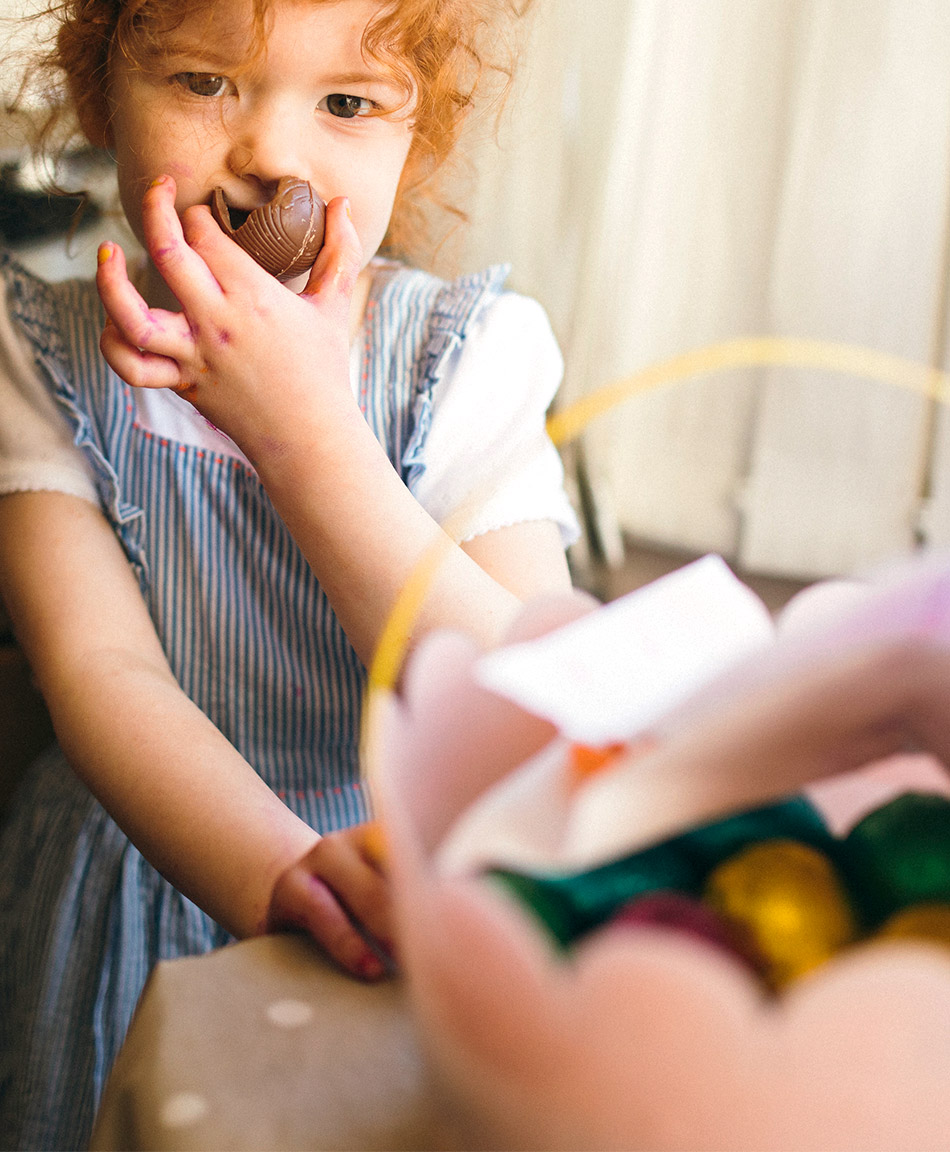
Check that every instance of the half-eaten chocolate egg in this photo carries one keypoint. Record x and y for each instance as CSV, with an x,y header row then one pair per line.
x,y
284,235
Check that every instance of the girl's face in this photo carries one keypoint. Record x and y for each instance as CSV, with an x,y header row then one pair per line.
x,y
201,111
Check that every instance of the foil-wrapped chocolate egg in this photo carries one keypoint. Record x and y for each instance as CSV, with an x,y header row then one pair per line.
x,y
283,235
570,905
790,900
899,854
678,912
918,922
795,818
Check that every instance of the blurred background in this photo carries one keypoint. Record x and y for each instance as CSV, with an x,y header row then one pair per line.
x,y
674,173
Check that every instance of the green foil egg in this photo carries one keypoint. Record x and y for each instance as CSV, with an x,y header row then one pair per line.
x,y
793,819
571,905
899,854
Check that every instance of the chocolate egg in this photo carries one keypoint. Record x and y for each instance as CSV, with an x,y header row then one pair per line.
x,y
571,905
684,914
283,235
899,854
918,922
788,897
795,818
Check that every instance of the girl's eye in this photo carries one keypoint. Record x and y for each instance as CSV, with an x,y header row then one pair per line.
x,y
346,107
201,83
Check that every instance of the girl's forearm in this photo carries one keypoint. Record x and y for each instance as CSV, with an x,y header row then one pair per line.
x,y
364,535
174,784
185,797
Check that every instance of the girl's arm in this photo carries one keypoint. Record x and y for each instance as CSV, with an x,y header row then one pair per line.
x,y
272,370
192,805
364,535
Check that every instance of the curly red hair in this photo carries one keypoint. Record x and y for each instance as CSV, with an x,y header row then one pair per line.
x,y
445,53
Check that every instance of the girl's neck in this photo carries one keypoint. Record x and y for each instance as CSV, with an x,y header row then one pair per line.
x,y
158,295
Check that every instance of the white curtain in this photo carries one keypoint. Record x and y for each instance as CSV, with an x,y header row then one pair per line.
x,y
674,173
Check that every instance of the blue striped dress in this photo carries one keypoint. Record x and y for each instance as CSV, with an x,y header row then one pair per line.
x,y
253,641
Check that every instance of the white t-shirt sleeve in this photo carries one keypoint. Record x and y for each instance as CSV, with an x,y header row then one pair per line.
x,y
489,462
37,453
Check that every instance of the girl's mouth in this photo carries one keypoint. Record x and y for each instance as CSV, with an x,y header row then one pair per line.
x,y
237,216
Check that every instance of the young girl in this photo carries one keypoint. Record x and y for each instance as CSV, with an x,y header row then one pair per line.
x,y
204,673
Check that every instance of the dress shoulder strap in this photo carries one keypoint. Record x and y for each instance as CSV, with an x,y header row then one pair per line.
x,y
62,321
457,305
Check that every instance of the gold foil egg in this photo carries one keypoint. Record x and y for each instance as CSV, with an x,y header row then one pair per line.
x,y
918,922
285,234
788,897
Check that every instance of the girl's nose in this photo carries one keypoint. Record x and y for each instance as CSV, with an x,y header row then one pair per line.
x,y
266,145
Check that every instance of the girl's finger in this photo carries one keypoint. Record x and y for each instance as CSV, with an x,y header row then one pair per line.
x,y
228,261
152,330
305,901
120,298
135,367
342,861
341,257
183,270
367,899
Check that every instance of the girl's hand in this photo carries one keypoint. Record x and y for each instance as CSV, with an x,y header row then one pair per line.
x,y
340,895
255,359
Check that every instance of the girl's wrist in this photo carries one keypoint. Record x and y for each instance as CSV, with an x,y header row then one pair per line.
x,y
308,448
289,842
